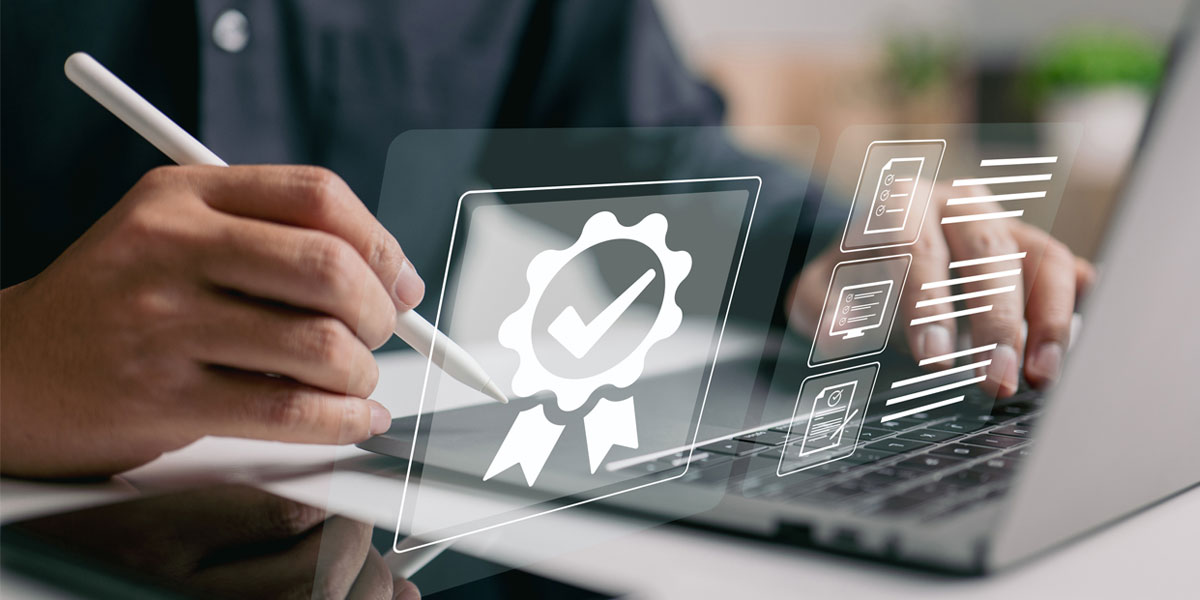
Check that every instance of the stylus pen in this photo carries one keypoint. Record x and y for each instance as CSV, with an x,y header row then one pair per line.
x,y
158,129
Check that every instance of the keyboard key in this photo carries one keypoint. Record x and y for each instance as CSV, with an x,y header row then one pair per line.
x,y
928,462
902,424
731,448
993,441
915,498
936,489
898,504
885,476
1014,409
873,433
765,437
958,426
993,469
781,429
839,492
928,435
1016,430
895,446
862,456
969,477
1005,462
963,451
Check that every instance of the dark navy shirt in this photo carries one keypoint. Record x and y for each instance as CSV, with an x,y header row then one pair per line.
x,y
318,82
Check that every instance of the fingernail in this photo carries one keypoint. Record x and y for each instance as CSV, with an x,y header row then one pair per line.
x,y
1046,361
934,340
410,288
1003,370
381,420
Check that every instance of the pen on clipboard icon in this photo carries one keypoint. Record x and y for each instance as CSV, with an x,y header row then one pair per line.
x,y
894,195
828,418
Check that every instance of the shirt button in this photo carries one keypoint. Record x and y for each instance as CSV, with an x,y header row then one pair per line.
x,y
231,31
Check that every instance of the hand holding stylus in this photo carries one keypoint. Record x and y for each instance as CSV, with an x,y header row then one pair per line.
x,y
230,301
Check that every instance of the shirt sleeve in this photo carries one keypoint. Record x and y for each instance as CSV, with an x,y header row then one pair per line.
x,y
612,65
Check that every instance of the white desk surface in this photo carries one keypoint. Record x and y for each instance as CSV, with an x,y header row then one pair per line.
x,y
1151,554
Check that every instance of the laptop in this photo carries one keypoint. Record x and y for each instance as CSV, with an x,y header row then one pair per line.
x,y
975,491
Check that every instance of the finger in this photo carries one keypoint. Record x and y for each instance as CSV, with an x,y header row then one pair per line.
x,y
237,404
807,294
1085,278
1001,324
1051,277
313,198
192,523
405,590
304,268
345,562
322,563
374,580
925,301
312,349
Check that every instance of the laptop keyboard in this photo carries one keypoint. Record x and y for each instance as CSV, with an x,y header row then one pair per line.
x,y
919,466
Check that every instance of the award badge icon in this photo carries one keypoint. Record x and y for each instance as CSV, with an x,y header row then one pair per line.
x,y
610,422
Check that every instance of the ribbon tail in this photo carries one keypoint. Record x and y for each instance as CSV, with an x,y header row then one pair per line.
x,y
609,424
529,442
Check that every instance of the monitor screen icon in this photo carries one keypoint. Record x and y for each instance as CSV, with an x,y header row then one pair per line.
x,y
860,307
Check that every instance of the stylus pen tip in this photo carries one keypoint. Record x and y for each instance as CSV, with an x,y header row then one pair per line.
x,y
493,391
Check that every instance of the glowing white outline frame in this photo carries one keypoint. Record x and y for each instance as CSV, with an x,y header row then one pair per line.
x,y
891,322
437,324
854,199
800,394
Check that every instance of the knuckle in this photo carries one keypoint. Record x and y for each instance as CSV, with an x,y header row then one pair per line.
x,y
931,247
321,189
155,304
327,342
159,176
1058,253
370,376
288,517
291,410
382,248
383,332
356,422
331,263
988,241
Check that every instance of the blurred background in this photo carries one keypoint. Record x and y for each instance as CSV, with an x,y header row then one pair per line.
x,y
835,64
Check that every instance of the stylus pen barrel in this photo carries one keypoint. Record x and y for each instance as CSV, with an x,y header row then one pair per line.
x,y
141,116
439,348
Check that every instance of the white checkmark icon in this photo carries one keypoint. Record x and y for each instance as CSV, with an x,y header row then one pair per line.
x,y
578,337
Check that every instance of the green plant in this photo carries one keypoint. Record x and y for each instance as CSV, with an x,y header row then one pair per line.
x,y
1095,57
918,62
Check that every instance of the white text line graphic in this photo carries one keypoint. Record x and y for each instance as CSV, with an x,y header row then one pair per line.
x,y
970,279
1004,162
954,355
951,315
987,216
994,198
965,296
942,373
937,390
913,411
999,180
970,262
